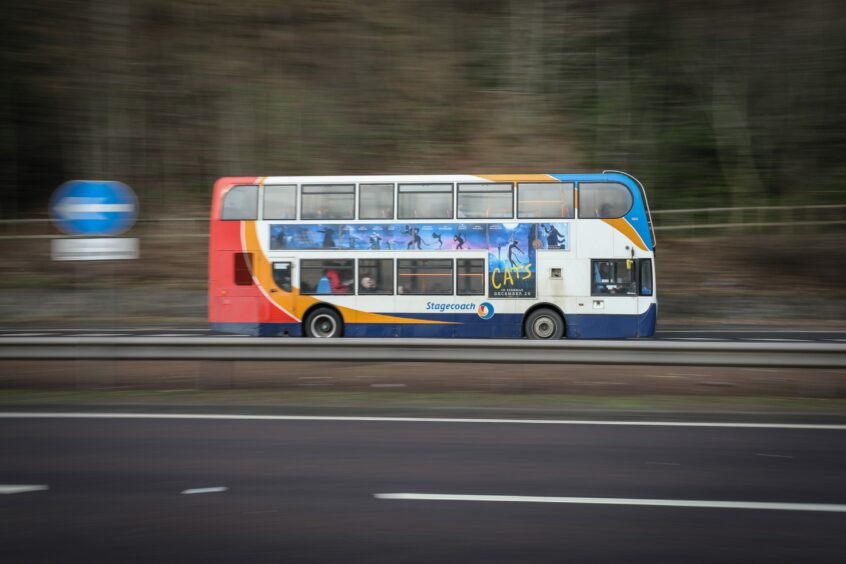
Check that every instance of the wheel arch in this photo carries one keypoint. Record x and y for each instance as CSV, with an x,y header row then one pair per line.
x,y
542,305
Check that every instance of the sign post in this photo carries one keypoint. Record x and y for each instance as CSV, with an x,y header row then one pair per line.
x,y
101,208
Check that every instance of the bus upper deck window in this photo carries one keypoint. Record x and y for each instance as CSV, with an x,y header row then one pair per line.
x,y
376,201
328,201
604,200
240,203
425,201
482,201
545,200
280,201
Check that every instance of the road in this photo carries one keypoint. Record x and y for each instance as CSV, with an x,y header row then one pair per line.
x,y
281,490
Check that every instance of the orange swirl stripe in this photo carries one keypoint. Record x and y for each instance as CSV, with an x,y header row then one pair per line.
x,y
263,274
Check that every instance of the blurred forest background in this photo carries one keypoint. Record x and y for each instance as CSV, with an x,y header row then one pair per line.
x,y
709,103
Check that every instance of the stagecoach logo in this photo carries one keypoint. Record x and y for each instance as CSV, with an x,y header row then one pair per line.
x,y
486,310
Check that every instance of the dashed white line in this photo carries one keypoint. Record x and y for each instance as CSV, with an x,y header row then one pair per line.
x,y
99,335
765,505
216,489
698,339
177,335
6,489
23,334
237,417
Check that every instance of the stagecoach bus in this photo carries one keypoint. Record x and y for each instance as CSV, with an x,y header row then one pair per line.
x,y
541,256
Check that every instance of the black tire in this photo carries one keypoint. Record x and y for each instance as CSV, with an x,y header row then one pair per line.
x,y
324,323
544,324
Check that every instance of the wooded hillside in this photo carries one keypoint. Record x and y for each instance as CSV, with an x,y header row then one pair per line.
x,y
709,103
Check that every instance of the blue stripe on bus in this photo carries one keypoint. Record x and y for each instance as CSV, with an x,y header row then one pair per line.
x,y
468,325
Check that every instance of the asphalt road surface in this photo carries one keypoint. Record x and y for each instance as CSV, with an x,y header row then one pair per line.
x,y
281,490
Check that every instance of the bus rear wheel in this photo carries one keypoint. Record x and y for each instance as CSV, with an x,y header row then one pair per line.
x,y
544,324
324,323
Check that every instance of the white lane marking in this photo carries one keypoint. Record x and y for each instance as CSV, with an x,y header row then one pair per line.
x,y
216,489
22,488
772,455
777,340
178,335
236,417
24,334
831,507
699,339
98,335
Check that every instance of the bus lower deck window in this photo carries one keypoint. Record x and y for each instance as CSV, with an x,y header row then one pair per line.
x,y
243,269
376,276
424,277
613,277
471,277
327,276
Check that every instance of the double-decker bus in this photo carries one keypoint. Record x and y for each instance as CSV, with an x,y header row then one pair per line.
x,y
542,256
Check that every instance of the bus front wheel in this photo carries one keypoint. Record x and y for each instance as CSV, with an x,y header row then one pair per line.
x,y
324,323
544,324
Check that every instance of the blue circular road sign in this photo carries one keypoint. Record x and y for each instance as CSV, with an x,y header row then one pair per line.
x,y
93,207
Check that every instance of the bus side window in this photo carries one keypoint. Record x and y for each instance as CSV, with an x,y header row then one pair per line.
x,y
282,275
550,200
243,269
424,277
280,201
604,200
327,276
481,201
240,203
425,201
376,201
376,276
327,201
471,277
615,277
645,277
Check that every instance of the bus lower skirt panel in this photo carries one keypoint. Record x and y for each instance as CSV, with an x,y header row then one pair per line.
x,y
462,325
612,326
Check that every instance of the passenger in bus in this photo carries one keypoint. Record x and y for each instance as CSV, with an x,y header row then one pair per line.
x,y
368,286
335,283
324,286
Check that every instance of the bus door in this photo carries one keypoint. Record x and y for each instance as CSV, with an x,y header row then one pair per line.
x,y
281,292
646,296
614,296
